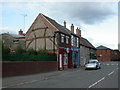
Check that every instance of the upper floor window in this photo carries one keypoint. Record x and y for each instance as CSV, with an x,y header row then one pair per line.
x,y
62,38
77,42
72,40
67,39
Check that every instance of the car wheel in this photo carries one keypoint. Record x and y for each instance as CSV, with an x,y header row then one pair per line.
x,y
96,67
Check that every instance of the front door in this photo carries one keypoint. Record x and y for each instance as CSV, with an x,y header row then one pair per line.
x,y
60,61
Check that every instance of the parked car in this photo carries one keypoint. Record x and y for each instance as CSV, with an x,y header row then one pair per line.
x,y
93,64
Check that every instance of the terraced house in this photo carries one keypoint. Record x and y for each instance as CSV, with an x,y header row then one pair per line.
x,y
87,51
46,34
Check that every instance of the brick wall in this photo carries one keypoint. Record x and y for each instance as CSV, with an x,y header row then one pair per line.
x,y
27,67
105,55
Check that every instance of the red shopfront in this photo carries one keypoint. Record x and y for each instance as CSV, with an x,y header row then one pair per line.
x,y
64,58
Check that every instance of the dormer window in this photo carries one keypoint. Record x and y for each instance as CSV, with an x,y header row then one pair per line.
x,y
62,38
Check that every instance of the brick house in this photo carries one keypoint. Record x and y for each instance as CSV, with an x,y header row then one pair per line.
x,y
87,51
12,41
46,34
75,46
107,54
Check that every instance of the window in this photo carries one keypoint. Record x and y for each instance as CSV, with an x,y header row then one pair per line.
x,y
67,39
62,38
77,42
15,41
72,40
65,59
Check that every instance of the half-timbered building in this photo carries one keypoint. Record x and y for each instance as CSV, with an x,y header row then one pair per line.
x,y
46,34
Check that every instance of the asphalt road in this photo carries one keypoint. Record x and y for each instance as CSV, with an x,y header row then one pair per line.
x,y
106,77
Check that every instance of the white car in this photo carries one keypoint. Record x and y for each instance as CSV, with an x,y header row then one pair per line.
x,y
93,64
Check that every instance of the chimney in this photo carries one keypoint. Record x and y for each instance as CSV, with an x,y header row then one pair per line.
x,y
64,23
72,28
78,31
20,32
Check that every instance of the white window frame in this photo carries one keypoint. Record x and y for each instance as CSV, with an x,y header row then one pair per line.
x,y
77,42
72,40
62,38
67,39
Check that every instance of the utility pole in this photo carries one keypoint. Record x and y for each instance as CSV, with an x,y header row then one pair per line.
x,y
24,15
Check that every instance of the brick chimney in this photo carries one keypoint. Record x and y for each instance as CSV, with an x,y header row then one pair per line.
x,y
78,31
64,23
72,28
20,32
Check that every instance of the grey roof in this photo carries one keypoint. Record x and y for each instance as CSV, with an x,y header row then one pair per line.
x,y
86,43
15,35
58,26
101,47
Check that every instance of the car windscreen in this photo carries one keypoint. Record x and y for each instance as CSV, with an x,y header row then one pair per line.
x,y
92,62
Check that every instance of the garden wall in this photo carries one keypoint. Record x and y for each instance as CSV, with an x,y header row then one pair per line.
x,y
27,67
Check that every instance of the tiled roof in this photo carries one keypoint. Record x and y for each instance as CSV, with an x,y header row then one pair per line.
x,y
86,43
101,47
58,26
15,35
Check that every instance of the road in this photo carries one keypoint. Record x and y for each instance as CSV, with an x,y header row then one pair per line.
x,y
106,77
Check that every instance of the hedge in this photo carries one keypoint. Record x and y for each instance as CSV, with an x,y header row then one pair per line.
x,y
30,55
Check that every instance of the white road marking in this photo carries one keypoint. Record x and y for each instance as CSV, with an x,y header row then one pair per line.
x,y
96,82
108,64
117,64
110,73
18,84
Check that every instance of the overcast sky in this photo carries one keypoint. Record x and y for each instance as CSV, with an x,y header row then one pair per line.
x,y
98,20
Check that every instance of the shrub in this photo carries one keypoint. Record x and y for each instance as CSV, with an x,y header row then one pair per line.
x,y
19,50
31,52
42,52
30,55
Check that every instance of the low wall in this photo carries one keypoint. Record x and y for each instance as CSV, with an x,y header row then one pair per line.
x,y
27,67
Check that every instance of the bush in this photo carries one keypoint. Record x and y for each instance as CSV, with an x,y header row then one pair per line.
x,y
19,50
31,52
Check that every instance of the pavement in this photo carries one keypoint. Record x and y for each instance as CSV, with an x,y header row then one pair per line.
x,y
106,77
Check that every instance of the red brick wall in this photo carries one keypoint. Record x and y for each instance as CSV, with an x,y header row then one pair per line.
x,y
27,67
106,55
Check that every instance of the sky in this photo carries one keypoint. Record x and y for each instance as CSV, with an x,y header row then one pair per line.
x,y
98,21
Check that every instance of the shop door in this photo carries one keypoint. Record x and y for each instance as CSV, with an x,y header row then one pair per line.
x,y
60,61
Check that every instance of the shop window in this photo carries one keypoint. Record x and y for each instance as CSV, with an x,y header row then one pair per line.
x,y
65,59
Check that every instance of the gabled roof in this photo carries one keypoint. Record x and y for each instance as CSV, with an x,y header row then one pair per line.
x,y
52,24
58,26
86,43
101,47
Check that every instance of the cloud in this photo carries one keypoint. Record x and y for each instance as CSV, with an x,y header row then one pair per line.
x,y
7,30
80,12
86,12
